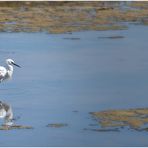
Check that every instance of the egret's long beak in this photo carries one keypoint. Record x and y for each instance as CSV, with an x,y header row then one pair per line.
x,y
16,65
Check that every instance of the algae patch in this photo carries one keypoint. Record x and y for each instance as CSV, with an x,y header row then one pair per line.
x,y
57,125
112,37
67,17
71,38
103,130
4,127
132,118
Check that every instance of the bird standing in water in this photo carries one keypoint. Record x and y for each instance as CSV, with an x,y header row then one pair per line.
x,y
5,109
6,73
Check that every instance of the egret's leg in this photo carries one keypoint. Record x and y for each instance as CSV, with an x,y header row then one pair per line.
x,y
8,121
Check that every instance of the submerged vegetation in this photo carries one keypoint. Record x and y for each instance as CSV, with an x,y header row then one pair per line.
x,y
57,125
64,17
133,118
5,127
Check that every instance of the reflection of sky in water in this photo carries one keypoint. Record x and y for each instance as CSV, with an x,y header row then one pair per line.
x,y
61,75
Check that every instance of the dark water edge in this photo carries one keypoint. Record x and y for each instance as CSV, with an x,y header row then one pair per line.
x,y
62,80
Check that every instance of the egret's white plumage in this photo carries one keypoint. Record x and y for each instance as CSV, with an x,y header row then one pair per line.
x,y
5,109
6,113
6,73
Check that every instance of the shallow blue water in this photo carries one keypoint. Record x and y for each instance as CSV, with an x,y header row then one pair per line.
x,y
60,76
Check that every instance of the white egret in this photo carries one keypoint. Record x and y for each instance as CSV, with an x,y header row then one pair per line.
x,y
6,73
6,113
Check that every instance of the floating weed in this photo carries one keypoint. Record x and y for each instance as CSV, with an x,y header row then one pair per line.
x,y
112,37
71,38
57,125
67,17
134,118
5,127
103,130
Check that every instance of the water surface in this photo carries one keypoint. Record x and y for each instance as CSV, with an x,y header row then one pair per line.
x,y
62,80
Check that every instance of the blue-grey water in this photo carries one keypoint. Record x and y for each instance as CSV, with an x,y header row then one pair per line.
x,y
62,80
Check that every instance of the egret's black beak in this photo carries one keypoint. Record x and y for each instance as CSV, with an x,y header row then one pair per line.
x,y
16,65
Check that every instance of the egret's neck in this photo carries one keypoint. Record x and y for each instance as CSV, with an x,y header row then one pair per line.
x,y
10,70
